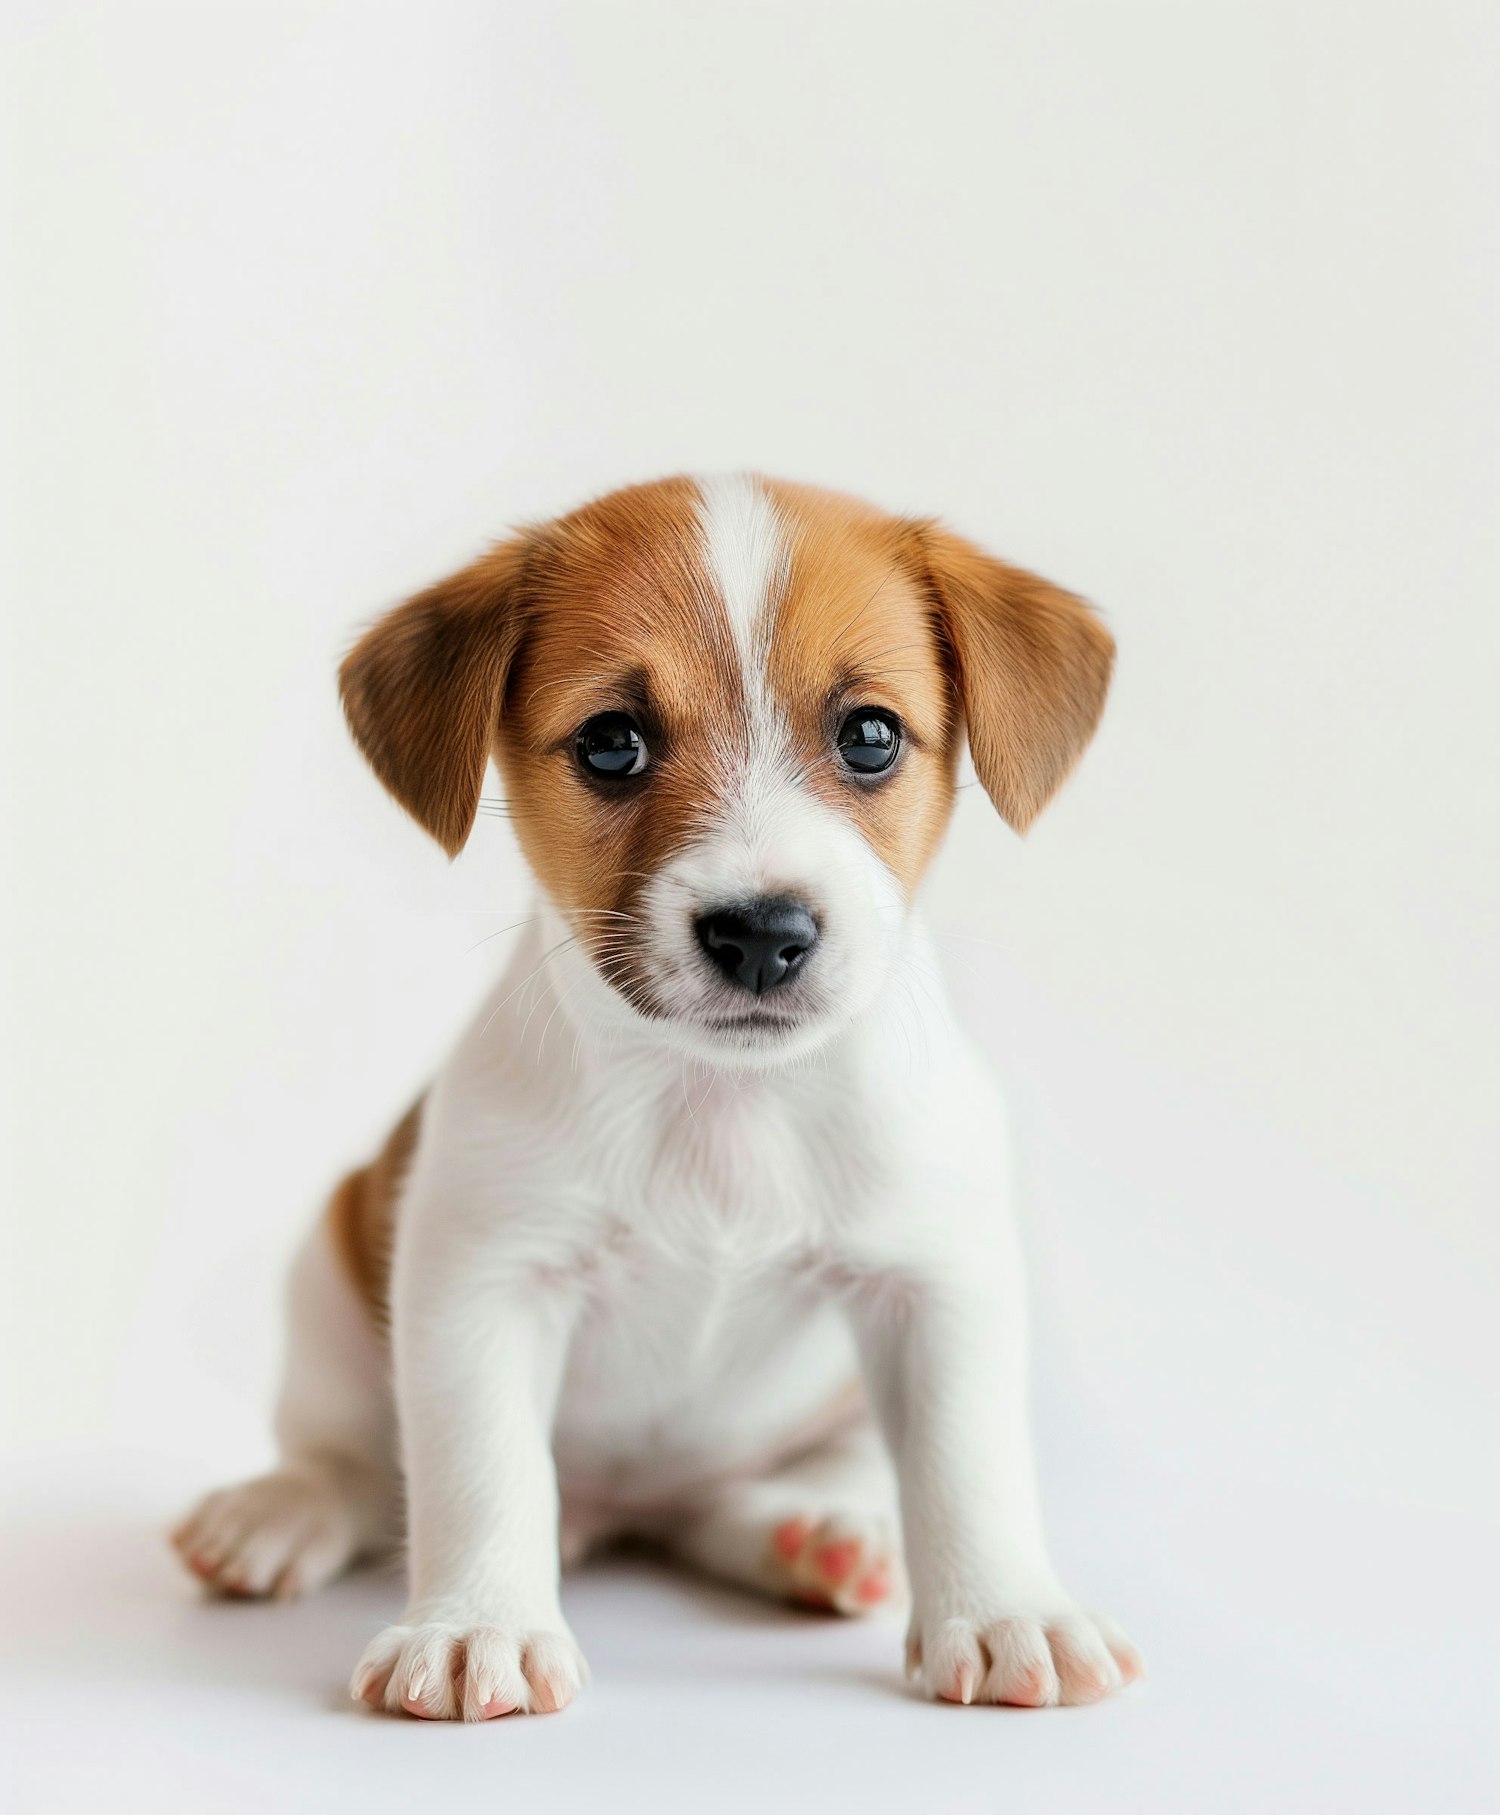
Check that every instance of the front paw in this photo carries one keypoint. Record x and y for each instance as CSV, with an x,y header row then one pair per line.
x,y
443,1671
1035,1659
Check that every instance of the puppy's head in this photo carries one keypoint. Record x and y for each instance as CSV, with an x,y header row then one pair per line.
x,y
728,716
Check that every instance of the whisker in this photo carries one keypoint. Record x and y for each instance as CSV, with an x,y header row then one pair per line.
x,y
524,921
572,939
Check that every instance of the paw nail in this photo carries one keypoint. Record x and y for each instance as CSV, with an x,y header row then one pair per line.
x,y
549,1695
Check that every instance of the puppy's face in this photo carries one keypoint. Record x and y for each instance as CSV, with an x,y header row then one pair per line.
x,y
728,715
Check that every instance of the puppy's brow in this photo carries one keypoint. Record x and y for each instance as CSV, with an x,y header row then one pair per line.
x,y
629,690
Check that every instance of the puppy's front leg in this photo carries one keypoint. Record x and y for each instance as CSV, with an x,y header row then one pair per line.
x,y
479,1348
944,1357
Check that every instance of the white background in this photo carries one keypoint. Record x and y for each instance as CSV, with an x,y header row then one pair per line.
x,y
1190,306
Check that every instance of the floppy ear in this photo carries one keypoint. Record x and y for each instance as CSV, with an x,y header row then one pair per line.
x,y
422,691
1033,669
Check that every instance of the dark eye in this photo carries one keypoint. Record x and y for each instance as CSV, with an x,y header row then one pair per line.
x,y
869,740
611,746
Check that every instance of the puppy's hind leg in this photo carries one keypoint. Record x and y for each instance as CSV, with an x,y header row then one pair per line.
x,y
333,1496
821,1529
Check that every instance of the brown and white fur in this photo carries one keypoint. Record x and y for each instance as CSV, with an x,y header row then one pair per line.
x,y
656,1255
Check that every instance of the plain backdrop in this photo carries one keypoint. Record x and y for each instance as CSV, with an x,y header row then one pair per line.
x,y
1192,307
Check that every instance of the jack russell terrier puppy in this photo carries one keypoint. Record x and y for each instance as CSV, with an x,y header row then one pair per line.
x,y
703,1234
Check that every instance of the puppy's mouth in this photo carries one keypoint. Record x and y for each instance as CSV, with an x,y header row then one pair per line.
x,y
763,1021
662,1000
677,988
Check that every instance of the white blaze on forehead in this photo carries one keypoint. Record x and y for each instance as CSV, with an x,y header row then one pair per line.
x,y
749,558
748,555
760,829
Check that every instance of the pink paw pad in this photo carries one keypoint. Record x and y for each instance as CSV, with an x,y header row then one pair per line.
x,y
874,1586
837,1562
789,1538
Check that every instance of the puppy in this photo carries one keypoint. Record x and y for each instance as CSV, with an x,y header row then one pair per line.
x,y
702,1235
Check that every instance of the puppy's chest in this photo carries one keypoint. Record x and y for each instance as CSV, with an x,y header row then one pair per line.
x,y
690,1374
739,1171
707,1329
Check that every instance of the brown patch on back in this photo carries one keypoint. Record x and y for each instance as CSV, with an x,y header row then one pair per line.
x,y
855,628
362,1214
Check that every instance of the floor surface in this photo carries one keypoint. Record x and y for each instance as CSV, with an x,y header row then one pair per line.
x,y
126,1690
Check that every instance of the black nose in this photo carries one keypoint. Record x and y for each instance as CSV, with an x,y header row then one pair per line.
x,y
759,944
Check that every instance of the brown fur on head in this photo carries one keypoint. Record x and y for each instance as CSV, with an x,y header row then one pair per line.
x,y
738,623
